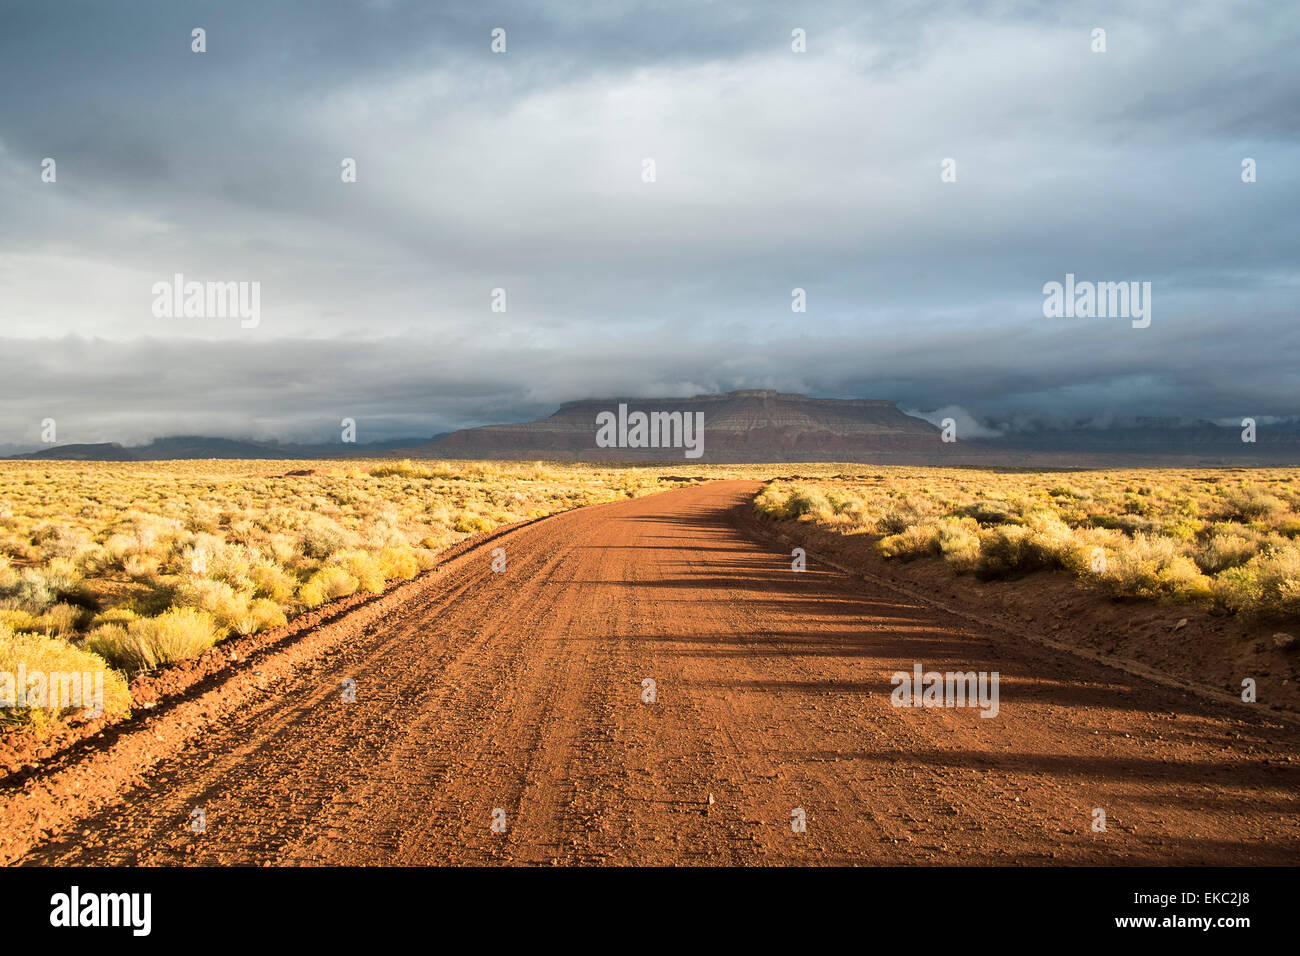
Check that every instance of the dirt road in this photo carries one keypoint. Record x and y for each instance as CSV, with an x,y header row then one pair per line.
x,y
522,691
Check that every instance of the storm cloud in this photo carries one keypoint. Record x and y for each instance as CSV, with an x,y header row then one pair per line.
x,y
522,171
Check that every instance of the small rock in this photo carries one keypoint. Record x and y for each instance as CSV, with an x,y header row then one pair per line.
x,y
711,801
1182,623
1283,642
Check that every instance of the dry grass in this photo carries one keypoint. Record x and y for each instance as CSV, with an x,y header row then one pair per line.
x,y
133,566
1228,536
84,545
25,655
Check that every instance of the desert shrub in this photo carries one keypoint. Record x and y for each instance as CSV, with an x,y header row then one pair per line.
x,y
1133,569
470,523
1268,585
36,653
60,620
1158,534
1239,589
400,469
1185,529
1069,491
116,548
320,539
794,502
272,582
231,563
17,546
1182,580
114,615
425,557
846,508
142,567
399,563
1247,504
1153,566
989,513
894,519
31,590
262,615
1051,541
17,619
959,543
70,544
58,541
1008,551
218,599
327,584
1139,502
1090,550
175,635
281,548
768,503
367,571
912,542
139,539
1130,524
1134,524
1227,548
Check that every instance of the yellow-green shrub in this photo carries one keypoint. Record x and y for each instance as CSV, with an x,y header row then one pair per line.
x,y
175,635
1229,547
1008,550
470,523
1153,566
262,615
959,543
365,569
1268,585
272,582
913,542
114,615
325,585
48,655
399,563
217,598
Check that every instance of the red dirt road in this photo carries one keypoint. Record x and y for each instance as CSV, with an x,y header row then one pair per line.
x,y
522,691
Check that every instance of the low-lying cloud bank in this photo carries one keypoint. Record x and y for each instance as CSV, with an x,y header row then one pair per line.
x,y
301,389
523,171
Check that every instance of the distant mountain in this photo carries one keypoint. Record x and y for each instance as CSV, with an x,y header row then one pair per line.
x,y
188,447
754,425
105,451
759,425
197,446
1163,442
770,426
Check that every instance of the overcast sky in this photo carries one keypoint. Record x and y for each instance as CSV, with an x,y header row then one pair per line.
x,y
523,170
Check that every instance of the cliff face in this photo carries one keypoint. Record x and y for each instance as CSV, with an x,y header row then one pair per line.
x,y
755,425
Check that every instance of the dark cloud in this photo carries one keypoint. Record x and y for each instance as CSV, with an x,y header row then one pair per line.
x,y
775,170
